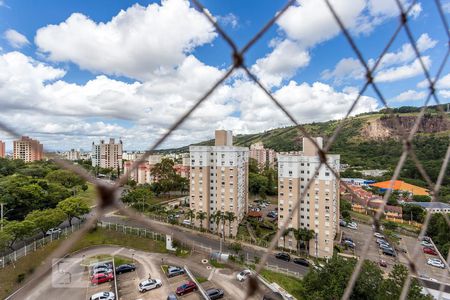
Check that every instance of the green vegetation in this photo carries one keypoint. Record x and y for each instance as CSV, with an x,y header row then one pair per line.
x,y
262,182
291,284
216,264
201,279
438,230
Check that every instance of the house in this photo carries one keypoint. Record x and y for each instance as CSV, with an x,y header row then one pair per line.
x,y
401,186
433,207
257,215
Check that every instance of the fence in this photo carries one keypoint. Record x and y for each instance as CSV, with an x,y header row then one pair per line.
x,y
137,231
35,245
109,199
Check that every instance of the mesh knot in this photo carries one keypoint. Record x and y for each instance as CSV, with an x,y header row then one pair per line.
x,y
403,18
432,89
322,156
238,59
106,195
369,77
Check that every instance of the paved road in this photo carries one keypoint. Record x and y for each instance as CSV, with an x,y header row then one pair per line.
x,y
212,242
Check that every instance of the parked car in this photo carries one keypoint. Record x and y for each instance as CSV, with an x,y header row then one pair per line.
x,y
173,271
350,244
101,278
283,256
52,231
125,268
187,222
426,244
386,247
347,238
243,275
186,288
429,251
101,265
172,296
378,235
383,263
103,296
352,225
436,262
301,261
342,223
214,293
272,214
426,239
389,252
149,284
100,270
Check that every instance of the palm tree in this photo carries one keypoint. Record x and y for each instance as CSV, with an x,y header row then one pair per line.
x,y
216,217
191,215
303,236
201,215
285,234
230,217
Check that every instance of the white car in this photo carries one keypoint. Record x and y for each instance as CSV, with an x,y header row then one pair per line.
x,y
435,262
103,296
53,231
101,270
426,244
149,284
241,276
378,235
352,225
187,222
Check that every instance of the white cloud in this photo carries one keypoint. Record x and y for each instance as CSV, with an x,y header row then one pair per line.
x,y
445,94
403,72
392,67
346,68
15,39
140,42
281,63
229,19
442,83
67,115
410,95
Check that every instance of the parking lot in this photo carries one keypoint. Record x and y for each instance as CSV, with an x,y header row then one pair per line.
x,y
408,243
92,289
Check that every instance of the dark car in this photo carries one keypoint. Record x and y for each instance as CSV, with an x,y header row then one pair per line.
x,y
390,252
273,296
172,296
173,271
214,293
283,256
301,261
186,288
125,268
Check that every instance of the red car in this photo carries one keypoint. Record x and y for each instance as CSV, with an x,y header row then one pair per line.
x,y
102,277
186,288
429,251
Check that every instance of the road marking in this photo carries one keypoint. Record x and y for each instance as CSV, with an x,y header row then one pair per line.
x,y
117,251
211,274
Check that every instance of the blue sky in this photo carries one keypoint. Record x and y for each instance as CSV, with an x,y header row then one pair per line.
x,y
72,72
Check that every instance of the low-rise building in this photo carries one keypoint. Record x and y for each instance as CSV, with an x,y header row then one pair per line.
x,y
433,207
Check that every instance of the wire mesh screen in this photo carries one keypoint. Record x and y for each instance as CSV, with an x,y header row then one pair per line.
x,y
109,197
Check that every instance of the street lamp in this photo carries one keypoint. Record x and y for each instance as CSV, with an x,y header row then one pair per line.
x,y
2,214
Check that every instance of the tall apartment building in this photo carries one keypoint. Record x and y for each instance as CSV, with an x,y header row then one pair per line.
x,y
2,149
73,154
319,211
28,149
264,157
107,155
219,180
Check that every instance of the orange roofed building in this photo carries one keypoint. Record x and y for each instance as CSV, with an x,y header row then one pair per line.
x,y
402,186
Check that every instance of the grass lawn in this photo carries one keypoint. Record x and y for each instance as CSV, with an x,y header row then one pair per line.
x,y
291,284
216,264
118,260
26,265
90,195
201,279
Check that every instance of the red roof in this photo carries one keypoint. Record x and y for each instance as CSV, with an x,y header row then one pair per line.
x,y
254,214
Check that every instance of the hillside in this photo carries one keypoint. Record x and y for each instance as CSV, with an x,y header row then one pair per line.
x,y
369,141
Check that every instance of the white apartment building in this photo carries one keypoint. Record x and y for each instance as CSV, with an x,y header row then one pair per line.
x,y
107,155
319,211
73,154
219,180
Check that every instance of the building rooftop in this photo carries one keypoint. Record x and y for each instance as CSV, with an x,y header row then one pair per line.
x,y
402,186
431,204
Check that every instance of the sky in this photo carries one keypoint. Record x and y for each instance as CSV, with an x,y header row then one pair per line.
x,y
74,72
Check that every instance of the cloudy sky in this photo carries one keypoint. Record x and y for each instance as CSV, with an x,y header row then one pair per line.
x,y
73,72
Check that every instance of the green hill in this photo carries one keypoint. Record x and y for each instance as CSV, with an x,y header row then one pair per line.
x,y
370,141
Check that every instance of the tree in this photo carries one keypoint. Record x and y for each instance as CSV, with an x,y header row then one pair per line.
x,y
421,198
230,217
163,170
73,207
285,234
18,230
140,197
201,215
413,212
216,217
46,219
66,178
236,247
303,236
190,213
